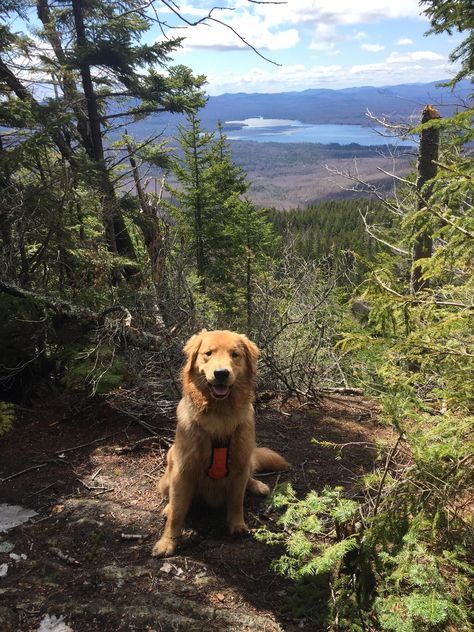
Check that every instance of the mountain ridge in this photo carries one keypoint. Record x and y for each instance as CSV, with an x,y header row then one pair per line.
x,y
347,106
325,105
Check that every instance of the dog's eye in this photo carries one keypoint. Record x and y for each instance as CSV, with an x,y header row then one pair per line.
x,y
208,353
234,354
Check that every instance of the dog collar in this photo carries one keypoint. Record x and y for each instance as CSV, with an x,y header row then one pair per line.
x,y
219,459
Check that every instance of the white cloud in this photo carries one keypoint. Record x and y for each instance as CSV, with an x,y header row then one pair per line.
x,y
324,38
301,77
255,32
373,48
404,41
338,11
291,77
277,26
421,55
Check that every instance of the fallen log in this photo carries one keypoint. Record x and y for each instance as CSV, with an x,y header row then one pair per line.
x,y
61,310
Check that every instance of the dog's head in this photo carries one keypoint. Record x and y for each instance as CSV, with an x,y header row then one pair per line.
x,y
219,364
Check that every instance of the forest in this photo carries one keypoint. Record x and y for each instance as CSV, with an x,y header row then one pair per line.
x,y
114,250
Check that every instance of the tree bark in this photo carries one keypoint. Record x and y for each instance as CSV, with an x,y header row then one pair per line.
x,y
427,169
73,97
117,236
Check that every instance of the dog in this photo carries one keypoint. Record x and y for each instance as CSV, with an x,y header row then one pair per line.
x,y
214,453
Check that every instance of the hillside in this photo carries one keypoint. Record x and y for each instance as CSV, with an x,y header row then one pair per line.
x,y
291,175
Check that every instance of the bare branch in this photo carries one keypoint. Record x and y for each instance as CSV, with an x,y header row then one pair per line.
x,y
369,230
209,18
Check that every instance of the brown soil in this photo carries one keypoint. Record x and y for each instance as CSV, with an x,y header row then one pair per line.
x,y
92,496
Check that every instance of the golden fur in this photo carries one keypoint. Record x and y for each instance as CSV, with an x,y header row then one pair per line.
x,y
214,409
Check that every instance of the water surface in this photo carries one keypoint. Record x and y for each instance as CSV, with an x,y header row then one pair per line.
x,y
290,131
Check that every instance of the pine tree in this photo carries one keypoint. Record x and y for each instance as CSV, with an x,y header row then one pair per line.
x,y
229,237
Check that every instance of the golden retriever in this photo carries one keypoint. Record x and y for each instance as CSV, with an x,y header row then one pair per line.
x,y
214,454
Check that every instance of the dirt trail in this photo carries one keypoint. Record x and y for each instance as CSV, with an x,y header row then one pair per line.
x,y
88,549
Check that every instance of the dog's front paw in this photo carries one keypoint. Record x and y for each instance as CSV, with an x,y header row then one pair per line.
x,y
164,548
239,528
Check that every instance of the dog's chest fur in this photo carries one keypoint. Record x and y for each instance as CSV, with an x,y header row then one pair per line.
x,y
202,431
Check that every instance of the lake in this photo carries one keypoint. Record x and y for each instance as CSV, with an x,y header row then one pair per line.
x,y
288,131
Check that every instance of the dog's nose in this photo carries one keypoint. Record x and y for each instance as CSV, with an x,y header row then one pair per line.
x,y
221,374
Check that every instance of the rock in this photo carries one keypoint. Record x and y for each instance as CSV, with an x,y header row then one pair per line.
x,y
54,624
361,309
6,547
14,515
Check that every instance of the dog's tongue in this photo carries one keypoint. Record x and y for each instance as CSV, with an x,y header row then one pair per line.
x,y
220,390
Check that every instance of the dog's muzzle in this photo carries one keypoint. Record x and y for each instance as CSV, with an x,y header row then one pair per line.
x,y
219,387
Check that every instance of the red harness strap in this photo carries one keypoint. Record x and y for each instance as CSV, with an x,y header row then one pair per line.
x,y
219,460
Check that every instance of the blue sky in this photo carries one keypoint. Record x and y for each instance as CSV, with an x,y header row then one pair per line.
x,y
316,44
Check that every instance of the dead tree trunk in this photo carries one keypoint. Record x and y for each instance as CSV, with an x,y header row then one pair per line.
x,y
149,224
427,169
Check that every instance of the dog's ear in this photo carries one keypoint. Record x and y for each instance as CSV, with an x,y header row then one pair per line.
x,y
191,349
251,353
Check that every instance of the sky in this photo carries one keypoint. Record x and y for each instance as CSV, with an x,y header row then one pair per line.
x,y
310,44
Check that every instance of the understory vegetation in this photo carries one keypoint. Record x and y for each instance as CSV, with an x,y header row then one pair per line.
x,y
105,272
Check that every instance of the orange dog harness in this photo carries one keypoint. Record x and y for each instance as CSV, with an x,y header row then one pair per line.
x,y
219,460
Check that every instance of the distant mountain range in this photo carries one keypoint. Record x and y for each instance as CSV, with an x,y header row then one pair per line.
x,y
320,105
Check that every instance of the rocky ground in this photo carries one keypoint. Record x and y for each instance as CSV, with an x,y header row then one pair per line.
x,y
83,562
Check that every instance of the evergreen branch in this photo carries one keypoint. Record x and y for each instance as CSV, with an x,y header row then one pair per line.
x,y
417,301
452,170
144,110
450,222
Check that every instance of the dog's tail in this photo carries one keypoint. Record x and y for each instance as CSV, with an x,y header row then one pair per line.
x,y
266,459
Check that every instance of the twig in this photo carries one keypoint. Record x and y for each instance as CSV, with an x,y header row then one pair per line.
x,y
28,469
63,556
369,231
385,472
139,443
259,474
105,491
134,536
85,445
415,301
96,473
40,491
